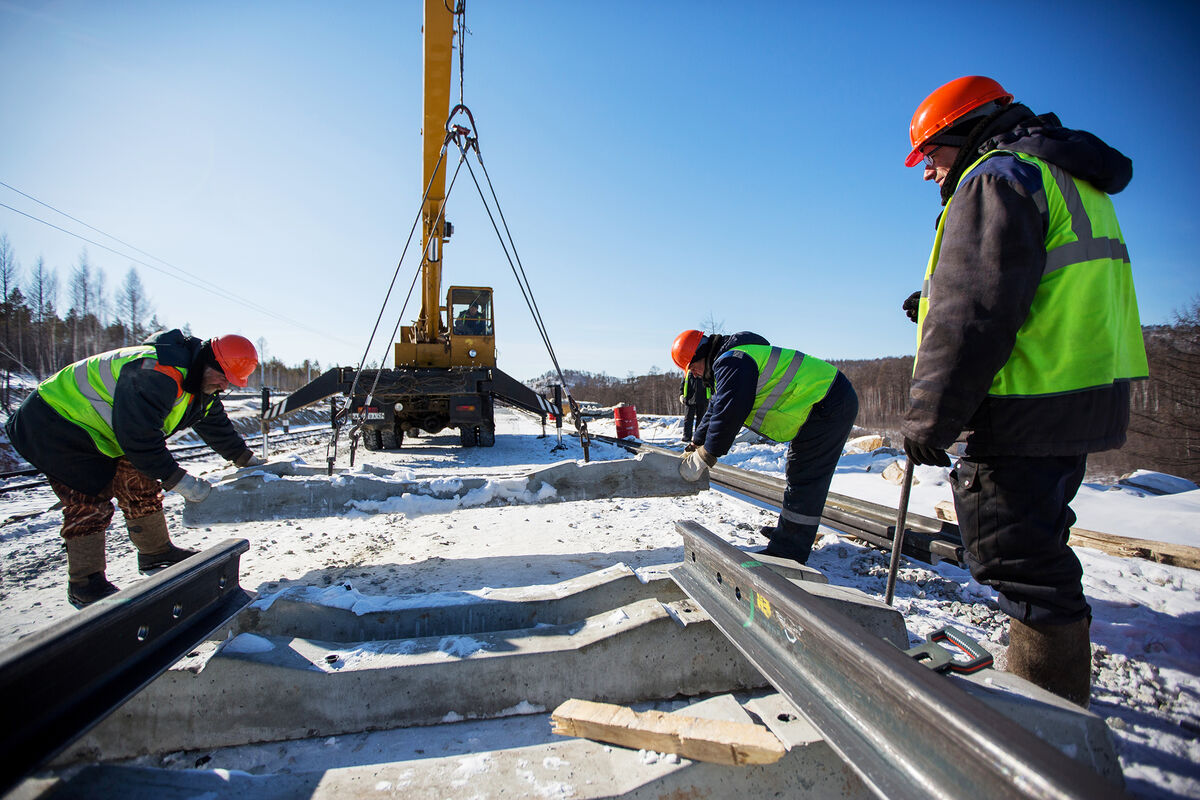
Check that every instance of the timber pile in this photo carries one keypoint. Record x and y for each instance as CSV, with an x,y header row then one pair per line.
x,y
714,741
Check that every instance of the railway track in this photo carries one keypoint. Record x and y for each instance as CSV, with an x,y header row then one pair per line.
x,y
181,453
925,539
905,731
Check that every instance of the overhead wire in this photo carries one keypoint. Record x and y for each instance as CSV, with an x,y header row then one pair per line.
x,y
183,275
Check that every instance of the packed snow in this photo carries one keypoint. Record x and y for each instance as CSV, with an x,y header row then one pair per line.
x,y
1146,629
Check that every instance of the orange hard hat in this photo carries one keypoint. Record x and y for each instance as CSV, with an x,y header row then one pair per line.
x,y
948,104
684,348
236,357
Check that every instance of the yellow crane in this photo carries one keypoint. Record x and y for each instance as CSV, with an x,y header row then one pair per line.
x,y
445,373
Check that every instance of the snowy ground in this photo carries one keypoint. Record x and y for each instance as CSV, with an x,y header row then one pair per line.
x,y
1147,616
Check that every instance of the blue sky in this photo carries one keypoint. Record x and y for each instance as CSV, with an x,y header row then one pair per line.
x,y
660,165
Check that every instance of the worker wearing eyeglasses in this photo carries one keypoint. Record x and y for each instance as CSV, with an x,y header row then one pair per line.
x,y
1028,338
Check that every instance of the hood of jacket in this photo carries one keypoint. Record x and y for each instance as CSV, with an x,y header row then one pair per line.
x,y
1015,127
177,349
1082,154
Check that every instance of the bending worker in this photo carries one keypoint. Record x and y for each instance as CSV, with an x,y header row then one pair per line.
x,y
98,429
1028,336
784,395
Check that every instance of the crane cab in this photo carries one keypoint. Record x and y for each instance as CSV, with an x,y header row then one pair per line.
x,y
467,333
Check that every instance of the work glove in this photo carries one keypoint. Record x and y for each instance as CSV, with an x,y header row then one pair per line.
x,y
683,399
194,490
924,454
248,459
694,465
912,305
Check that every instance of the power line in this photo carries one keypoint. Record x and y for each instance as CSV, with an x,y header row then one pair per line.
x,y
183,275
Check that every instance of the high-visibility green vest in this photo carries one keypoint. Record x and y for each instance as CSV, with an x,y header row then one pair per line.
x,y
1083,329
83,393
790,383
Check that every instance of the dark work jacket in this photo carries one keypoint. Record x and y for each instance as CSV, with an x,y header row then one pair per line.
x,y
141,402
735,383
992,258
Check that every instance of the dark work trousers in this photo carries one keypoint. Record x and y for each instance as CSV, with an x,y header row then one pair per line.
x,y
811,460
87,514
1014,517
694,414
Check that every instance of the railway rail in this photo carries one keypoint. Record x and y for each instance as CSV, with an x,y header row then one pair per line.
x,y
925,539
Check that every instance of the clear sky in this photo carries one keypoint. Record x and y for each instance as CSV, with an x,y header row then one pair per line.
x,y
661,165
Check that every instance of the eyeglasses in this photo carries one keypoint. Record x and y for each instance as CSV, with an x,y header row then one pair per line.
x,y
928,156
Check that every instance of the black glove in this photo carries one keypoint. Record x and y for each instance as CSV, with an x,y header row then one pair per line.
x,y
912,305
924,454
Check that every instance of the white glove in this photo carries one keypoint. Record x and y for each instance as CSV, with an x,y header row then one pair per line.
x,y
254,461
694,465
194,490
683,399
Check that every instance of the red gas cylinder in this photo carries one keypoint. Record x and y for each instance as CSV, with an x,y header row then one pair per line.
x,y
626,417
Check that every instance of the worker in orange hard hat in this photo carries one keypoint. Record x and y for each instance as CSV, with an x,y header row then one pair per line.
x,y
784,395
1027,340
98,429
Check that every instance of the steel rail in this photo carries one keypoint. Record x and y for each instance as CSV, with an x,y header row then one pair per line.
x,y
57,683
908,732
926,539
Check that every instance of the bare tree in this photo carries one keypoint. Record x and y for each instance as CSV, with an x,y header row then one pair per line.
x,y
81,299
713,325
132,307
43,287
100,307
8,283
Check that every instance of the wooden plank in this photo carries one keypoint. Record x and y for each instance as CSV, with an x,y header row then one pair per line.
x,y
715,741
1175,555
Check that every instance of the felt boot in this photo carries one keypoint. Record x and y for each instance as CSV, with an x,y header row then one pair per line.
x,y
85,570
155,550
788,540
1057,658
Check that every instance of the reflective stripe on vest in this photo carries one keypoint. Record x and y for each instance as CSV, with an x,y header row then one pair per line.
x,y
790,383
1083,329
82,393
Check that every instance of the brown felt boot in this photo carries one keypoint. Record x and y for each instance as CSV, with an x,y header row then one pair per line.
x,y
1057,658
155,550
85,570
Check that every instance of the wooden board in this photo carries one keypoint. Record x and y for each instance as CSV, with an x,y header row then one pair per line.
x,y
715,741
1175,555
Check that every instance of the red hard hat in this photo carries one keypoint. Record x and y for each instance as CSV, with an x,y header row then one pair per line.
x,y
946,105
237,357
684,348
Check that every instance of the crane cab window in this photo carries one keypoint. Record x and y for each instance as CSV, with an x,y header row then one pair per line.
x,y
471,310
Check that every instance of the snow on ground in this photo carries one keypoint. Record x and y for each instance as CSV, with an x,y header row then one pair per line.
x,y
1146,628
